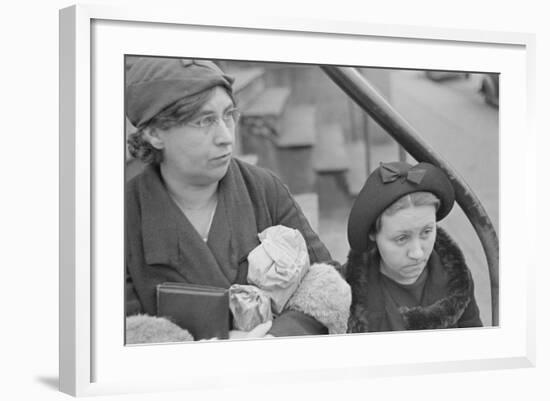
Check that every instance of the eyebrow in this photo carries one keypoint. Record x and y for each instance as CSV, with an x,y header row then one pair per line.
x,y
409,231
210,111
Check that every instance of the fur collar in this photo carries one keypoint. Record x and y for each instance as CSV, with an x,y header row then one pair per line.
x,y
442,313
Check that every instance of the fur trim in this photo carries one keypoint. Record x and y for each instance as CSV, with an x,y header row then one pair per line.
x,y
442,314
355,272
445,312
142,329
324,295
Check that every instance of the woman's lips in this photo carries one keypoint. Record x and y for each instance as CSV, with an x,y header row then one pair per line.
x,y
415,264
414,267
222,157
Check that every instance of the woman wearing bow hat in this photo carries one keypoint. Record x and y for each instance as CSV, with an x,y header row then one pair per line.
x,y
405,272
195,212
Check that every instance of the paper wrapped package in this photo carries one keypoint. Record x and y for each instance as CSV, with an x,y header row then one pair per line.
x,y
249,305
278,264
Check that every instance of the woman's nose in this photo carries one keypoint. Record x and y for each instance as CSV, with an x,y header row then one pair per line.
x,y
415,251
224,134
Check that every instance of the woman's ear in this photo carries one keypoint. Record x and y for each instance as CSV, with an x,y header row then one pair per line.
x,y
152,136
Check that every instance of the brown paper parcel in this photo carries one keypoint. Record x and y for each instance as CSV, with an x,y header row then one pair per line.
x,y
249,305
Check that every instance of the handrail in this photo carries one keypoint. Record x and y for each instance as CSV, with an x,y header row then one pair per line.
x,y
367,97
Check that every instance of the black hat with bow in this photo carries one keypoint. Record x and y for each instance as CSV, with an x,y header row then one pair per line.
x,y
388,183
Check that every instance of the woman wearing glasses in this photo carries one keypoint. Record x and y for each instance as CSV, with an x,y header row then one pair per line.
x,y
195,212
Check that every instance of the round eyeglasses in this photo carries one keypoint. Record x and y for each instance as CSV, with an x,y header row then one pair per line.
x,y
230,118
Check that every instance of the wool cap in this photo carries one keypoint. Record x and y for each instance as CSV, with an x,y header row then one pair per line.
x,y
154,83
388,183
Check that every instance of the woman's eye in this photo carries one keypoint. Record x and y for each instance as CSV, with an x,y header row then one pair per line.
x,y
231,115
401,239
207,121
203,122
427,232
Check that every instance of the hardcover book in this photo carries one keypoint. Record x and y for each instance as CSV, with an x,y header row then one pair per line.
x,y
202,310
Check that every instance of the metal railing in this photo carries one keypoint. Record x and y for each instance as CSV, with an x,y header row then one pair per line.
x,y
367,97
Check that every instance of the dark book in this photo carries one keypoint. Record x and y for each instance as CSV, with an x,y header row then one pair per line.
x,y
200,309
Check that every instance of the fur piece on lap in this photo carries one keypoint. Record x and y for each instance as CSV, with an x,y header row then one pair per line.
x,y
142,329
324,295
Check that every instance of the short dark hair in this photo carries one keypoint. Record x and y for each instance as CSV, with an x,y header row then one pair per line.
x,y
172,116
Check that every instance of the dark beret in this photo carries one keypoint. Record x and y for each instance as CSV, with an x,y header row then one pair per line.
x,y
388,183
154,83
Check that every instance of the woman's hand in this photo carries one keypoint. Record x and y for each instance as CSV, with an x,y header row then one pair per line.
x,y
260,331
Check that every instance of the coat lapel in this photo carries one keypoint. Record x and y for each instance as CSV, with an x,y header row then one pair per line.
x,y
234,231
159,227
375,295
169,239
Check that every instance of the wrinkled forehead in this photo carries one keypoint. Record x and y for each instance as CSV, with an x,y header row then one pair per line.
x,y
218,102
412,218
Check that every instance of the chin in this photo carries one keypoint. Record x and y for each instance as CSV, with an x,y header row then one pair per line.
x,y
407,280
223,170
413,276
218,173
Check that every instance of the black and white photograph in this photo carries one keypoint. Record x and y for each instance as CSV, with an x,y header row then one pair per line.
x,y
257,204
276,199
291,200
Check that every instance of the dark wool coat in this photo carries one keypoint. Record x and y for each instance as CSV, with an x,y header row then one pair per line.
x,y
447,300
162,245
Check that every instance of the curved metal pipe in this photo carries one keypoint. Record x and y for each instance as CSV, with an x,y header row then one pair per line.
x,y
368,98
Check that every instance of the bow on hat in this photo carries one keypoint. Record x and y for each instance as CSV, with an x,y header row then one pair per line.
x,y
390,173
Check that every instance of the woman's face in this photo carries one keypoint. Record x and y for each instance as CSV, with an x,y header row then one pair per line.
x,y
405,242
200,155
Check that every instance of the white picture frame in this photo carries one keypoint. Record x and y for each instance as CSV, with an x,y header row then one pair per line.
x,y
93,359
